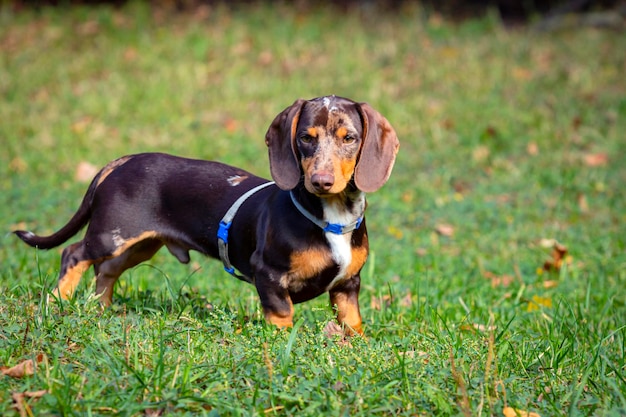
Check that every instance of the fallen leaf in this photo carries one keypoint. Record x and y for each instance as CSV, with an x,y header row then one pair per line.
x,y
547,242
521,74
406,301
513,412
550,284
480,153
130,54
395,232
532,148
444,229
90,27
461,186
25,368
332,329
19,401
230,125
558,255
484,327
447,124
80,126
490,132
18,226
537,302
17,164
378,302
596,159
583,205
407,197
499,280
85,171
265,58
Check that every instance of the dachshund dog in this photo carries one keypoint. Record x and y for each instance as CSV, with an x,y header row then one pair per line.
x,y
295,238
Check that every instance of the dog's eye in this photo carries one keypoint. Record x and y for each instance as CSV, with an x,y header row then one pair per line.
x,y
348,139
306,138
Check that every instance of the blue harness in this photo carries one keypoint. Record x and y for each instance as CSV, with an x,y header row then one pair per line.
x,y
227,221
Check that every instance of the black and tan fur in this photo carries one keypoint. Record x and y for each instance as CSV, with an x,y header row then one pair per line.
x,y
327,151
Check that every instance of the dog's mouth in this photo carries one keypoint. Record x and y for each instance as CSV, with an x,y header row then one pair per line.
x,y
324,193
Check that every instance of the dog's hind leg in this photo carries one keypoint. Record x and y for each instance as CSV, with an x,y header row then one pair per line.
x,y
74,262
109,270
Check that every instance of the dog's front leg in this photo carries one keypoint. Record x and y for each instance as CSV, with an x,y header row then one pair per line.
x,y
344,297
276,302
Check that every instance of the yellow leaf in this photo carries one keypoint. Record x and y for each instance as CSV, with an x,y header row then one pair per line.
x,y
395,232
513,412
537,302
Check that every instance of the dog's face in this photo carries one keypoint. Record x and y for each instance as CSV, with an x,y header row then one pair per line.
x,y
328,139
326,142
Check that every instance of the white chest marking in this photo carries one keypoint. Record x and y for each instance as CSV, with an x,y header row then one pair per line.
x,y
341,250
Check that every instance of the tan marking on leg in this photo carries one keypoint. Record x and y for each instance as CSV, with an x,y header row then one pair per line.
x,y
109,270
69,281
348,312
110,167
124,244
359,256
280,320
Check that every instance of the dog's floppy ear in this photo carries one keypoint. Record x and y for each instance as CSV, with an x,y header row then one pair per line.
x,y
280,140
378,152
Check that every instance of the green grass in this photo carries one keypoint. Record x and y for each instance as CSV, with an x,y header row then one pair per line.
x,y
511,138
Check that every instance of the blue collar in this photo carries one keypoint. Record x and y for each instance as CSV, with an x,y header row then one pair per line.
x,y
334,228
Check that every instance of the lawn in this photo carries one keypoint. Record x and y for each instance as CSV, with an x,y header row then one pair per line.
x,y
497,273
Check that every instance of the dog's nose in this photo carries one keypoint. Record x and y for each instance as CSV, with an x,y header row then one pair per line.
x,y
323,181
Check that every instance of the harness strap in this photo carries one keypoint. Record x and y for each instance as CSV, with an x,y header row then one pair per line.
x,y
226,222
334,228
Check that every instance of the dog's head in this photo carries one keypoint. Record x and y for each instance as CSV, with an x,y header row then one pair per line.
x,y
327,142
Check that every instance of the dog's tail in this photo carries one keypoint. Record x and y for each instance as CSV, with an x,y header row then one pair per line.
x,y
77,222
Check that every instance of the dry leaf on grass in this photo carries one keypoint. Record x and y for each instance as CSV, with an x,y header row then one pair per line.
x,y
25,368
444,229
378,302
559,253
499,280
596,159
550,284
332,329
20,404
583,205
513,412
407,300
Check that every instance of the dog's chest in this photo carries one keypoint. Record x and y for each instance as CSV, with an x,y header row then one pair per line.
x,y
338,255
